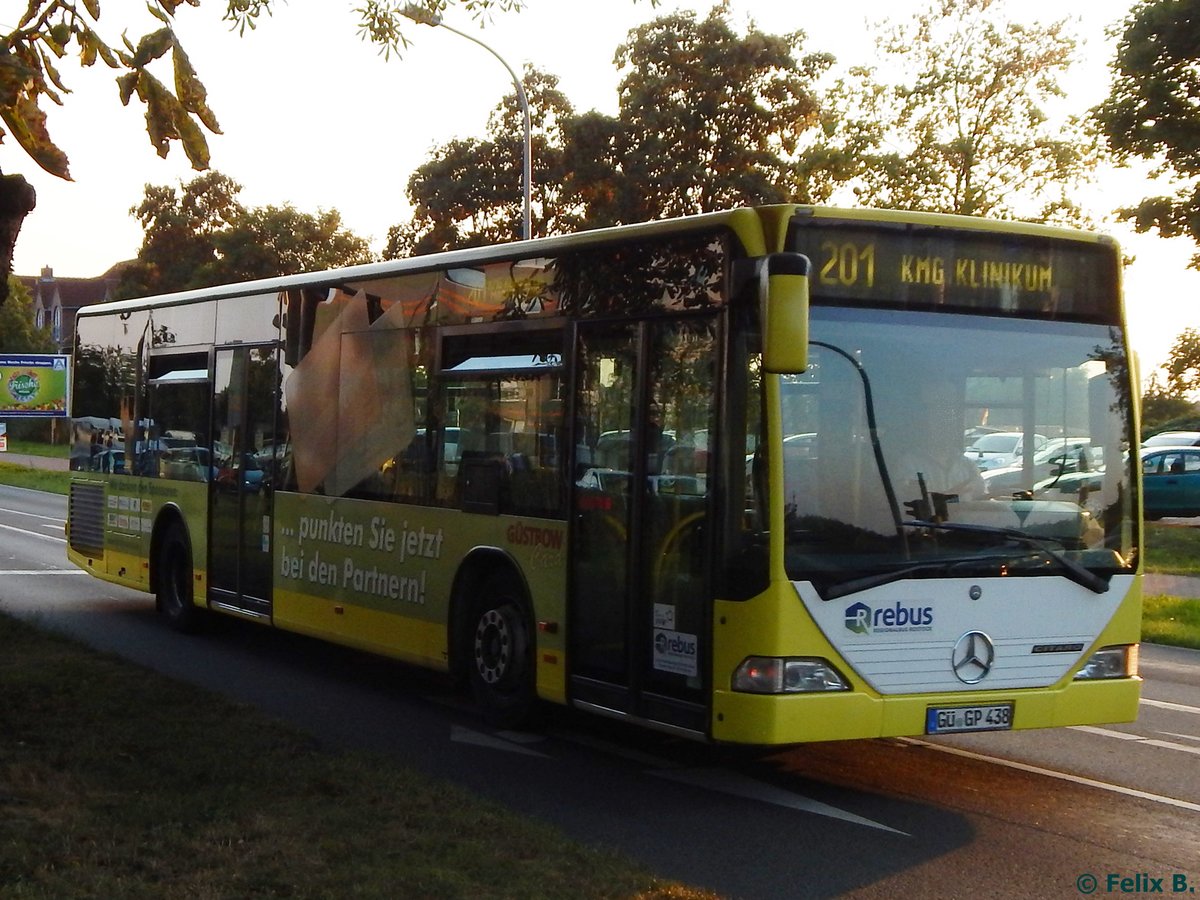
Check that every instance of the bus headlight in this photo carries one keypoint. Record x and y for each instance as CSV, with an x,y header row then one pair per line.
x,y
787,675
1110,662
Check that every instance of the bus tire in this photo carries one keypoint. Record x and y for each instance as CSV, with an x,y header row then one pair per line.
x,y
500,653
174,580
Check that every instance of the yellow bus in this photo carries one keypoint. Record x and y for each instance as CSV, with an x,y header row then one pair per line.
x,y
734,476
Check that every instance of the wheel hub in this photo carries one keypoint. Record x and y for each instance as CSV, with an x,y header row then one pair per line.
x,y
493,646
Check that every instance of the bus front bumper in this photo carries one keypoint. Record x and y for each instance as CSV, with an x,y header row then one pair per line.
x,y
775,719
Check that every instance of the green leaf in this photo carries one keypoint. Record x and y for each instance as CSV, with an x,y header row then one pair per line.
x,y
191,92
161,111
27,123
192,139
56,39
153,46
15,76
93,45
127,84
55,78
88,51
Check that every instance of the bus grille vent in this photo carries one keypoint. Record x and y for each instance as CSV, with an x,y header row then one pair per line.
x,y
86,515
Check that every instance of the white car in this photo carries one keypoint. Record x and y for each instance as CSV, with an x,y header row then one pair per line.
x,y
1003,448
1173,439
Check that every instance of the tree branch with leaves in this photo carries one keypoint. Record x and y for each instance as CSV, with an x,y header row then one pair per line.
x,y
708,118
175,98
962,125
1153,111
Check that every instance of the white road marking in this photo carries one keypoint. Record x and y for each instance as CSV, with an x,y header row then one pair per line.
x,y
40,537
461,735
1177,707
1145,741
4,572
16,512
1108,732
1186,737
707,779
1171,745
1062,776
741,786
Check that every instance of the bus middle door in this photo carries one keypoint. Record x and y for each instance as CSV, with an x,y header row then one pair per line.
x,y
641,566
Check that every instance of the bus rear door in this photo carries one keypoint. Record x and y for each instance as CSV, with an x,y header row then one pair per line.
x,y
241,486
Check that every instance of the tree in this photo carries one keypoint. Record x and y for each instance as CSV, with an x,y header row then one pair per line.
x,y
1152,111
17,331
29,78
707,119
17,200
18,334
49,30
469,192
963,127
279,240
1183,363
179,233
1163,408
202,236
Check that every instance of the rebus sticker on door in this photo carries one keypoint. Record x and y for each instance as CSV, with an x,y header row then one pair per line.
x,y
674,651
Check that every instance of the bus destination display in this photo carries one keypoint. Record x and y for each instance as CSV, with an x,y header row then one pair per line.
x,y
959,269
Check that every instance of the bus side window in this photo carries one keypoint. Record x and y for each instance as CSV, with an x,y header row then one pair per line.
x,y
501,399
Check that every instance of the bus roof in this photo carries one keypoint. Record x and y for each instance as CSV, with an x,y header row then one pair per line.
x,y
761,230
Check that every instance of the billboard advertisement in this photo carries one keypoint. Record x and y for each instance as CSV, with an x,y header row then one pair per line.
x,y
34,384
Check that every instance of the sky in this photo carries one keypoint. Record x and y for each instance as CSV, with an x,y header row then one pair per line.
x,y
313,116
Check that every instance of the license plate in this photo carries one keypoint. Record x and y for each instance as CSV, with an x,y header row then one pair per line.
x,y
954,719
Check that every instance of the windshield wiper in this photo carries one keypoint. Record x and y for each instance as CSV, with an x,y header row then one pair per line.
x,y
945,565
1073,570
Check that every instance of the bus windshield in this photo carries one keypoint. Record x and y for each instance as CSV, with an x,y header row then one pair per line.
x,y
925,444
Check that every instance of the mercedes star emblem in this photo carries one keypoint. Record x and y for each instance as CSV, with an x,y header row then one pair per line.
x,y
973,656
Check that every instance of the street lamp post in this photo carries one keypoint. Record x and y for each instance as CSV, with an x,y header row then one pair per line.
x,y
424,17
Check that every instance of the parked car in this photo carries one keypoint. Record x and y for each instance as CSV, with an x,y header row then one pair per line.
x,y
228,472
1002,448
1171,481
1173,439
1058,457
975,432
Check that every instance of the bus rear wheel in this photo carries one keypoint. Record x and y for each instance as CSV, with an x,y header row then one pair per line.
x,y
500,661
174,567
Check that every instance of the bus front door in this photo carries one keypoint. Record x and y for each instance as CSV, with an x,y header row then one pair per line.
x,y
641,564
245,403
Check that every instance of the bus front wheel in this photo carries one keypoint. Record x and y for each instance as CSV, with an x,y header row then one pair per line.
x,y
499,648
174,567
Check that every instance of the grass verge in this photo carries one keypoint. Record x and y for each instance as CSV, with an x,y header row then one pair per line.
x,y
39,448
1171,620
34,479
117,782
1172,549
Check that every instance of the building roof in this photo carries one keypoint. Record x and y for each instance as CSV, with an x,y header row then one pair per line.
x,y
68,295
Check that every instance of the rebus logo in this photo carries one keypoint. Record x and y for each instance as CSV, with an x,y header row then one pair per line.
x,y
862,619
673,642
858,618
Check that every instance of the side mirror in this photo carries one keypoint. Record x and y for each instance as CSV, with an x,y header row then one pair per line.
x,y
783,305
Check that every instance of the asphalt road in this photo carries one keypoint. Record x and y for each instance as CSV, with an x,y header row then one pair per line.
x,y
1032,814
